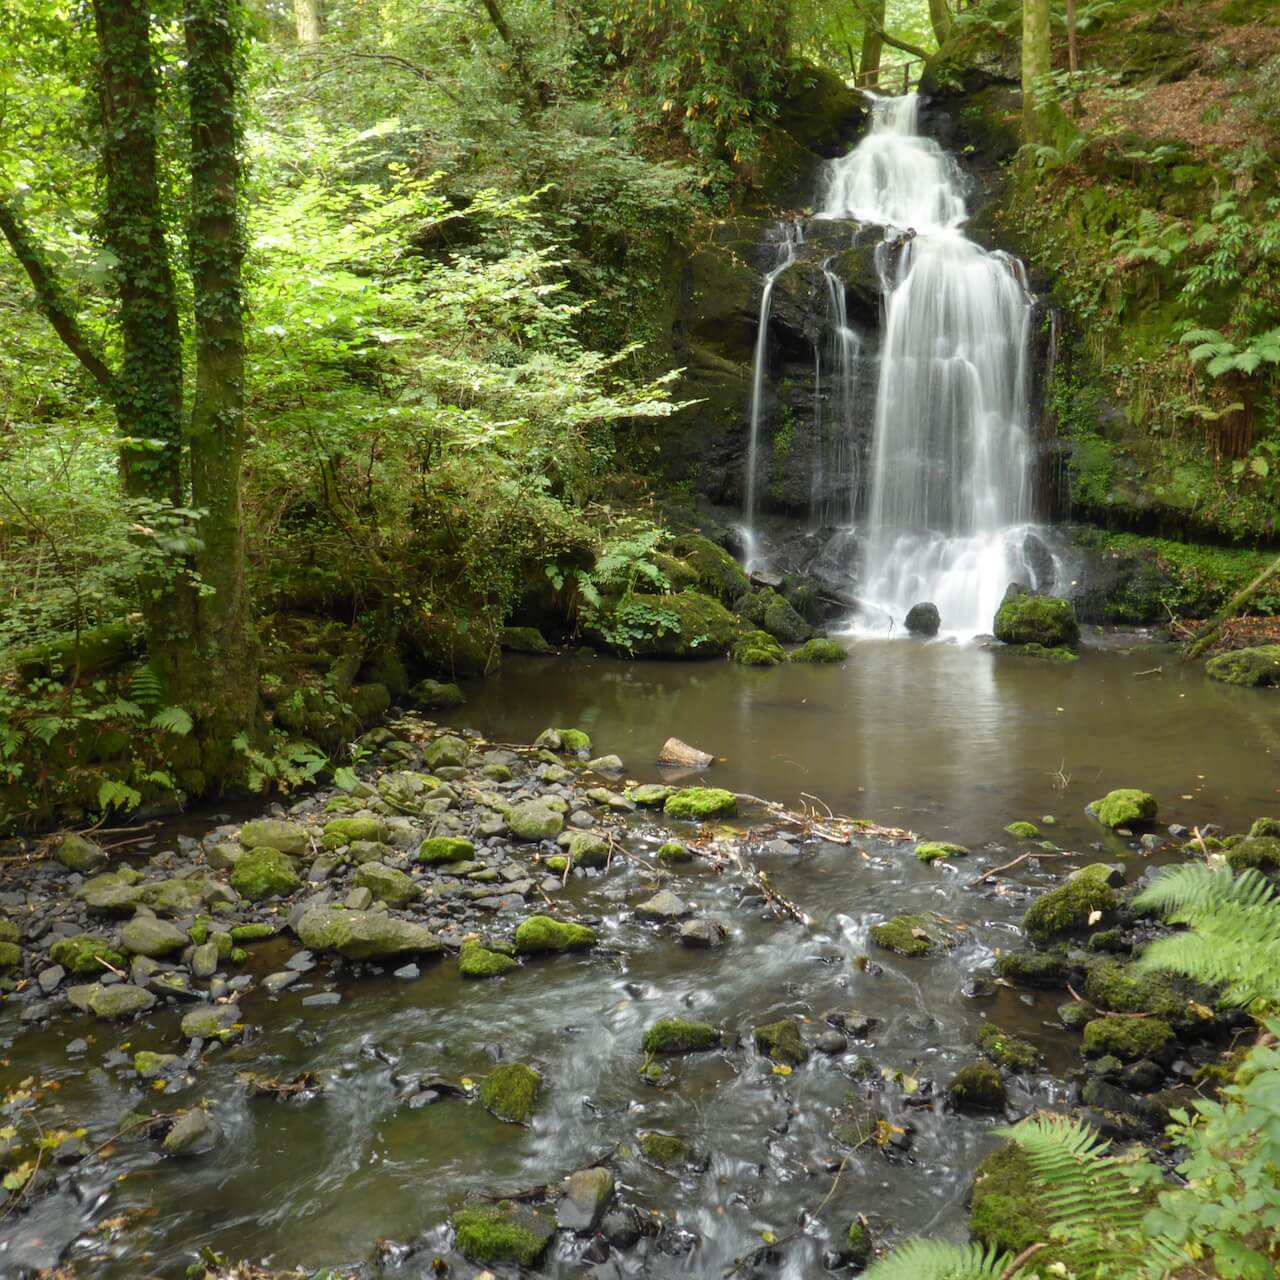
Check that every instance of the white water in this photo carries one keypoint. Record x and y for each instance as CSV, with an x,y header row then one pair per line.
x,y
834,407
950,499
791,236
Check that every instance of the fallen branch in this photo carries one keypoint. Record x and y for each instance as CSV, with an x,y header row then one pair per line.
x,y
1232,607
1008,866
1012,1269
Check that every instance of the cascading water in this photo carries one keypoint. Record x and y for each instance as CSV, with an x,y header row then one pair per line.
x,y
949,487
834,406
791,235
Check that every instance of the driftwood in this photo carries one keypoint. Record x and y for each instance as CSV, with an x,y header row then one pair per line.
x,y
1233,606
674,751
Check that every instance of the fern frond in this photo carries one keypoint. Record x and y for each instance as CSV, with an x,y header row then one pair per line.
x,y
172,720
146,686
938,1260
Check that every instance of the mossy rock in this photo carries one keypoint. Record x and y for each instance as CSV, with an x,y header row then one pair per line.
x,y
526,640
1006,1050
364,935
1070,906
718,573
510,1092
588,849
913,935
345,831
274,833
757,649
677,1035
574,742
85,953
673,852
264,873
1051,653
1259,852
96,649
503,1232
1127,1038
1125,807
254,932
438,850
534,820
1007,1209
1033,968
664,1149
700,803
818,650
937,850
446,752
387,884
539,934
1043,620
782,1042
1249,668
650,795
858,1244
436,694
1023,830
78,854
765,609
977,1087
1119,988
475,961
10,955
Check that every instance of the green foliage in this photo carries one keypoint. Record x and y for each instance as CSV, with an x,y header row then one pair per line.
x,y
938,1260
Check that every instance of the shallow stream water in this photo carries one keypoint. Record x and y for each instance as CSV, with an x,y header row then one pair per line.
x,y
951,741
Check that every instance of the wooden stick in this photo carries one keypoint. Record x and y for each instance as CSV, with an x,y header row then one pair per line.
x,y
1233,606
1012,1269
1008,866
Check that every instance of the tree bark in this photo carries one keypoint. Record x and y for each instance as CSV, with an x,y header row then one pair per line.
x,y
309,21
533,92
868,17
1230,609
1036,69
227,644
940,20
1073,53
148,385
872,46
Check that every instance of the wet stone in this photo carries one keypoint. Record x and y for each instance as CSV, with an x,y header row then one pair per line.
x,y
664,905
322,998
587,1195
48,979
831,1042
194,1134
407,972
274,983
702,933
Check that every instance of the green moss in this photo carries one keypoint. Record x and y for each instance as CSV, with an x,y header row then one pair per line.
x,y
1249,668
587,849
700,803
1023,830
686,624
917,935
557,864
1070,905
1006,1050
10,955
773,615
542,933
264,873
781,1041
978,1087
444,849
1042,620
84,954
344,831
1125,807
672,852
857,1243
819,650
253,932
1127,1038
676,1035
1118,988
650,795
1007,1209
1034,968
935,850
526,640
664,1149
718,573
1269,827
150,1065
503,1232
1262,852
758,649
510,1092
474,961
1058,653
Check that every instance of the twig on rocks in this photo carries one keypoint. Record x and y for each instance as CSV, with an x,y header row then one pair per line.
x,y
1008,866
1012,1269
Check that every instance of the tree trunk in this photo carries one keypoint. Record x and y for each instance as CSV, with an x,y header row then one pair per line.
x,y
940,20
1228,611
872,46
226,641
309,21
1036,70
148,385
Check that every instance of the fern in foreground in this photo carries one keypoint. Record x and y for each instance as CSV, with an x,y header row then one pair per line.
x,y
939,1260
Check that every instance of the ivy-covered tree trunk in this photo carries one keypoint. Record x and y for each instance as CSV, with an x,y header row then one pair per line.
x,y
226,644
147,387
1036,69
872,45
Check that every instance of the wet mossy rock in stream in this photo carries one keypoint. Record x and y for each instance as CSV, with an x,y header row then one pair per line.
x,y
364,935
573,742
939,850
670,1036
766,609
977,1087
1007,1210
510,1092
1127,1038
758,649
475,961
534,820
1034,968
526,640
1021,830
386,884
264,873
1259,852
819,650
1071,906
715,571
1006,1050
78,854
539,934
664,1149
85,953
782,1042
440,850
1125,807
436,695
1119,988
650,795
274,833
503,1232
344,831
700,803
1025,619
1249,668
912,935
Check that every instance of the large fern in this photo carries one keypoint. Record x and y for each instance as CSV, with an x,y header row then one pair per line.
x,y
1234,923
939,1260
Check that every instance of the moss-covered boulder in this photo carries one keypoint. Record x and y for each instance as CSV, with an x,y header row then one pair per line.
x,y
274,833
446,752
213,1022
1021,830
716,572
85,953
439,850
534,820
664,1149
1120,988
673,852
977,1087
1127,1038
1006,1050
685,624
526,640
757,649
503,1232
1071,906
475,961
1007,1211
112,893
78,854
539,934
387,884
782,1042
1042,620
938,850
670,1036
364,935
510,1092
1250,668
700,803
1260,852
436,695
264,873
10,955
911,935
1033,968
147,935
345,831
588,849
765,609
122,1000
650,795
818,650
1125,807
923,619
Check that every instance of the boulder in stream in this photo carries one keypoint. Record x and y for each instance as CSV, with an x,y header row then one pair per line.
x,y
1024,618
677,1035
510,1092
1251,668
542,933
586,1198
1072,905
503,1232
1125,807
923,619
275,833
781,1042
78,854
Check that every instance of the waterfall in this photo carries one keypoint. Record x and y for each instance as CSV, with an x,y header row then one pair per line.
x,y
834,406
791,235
950,497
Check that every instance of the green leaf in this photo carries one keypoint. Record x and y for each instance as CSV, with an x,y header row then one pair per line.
x,y
173,720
